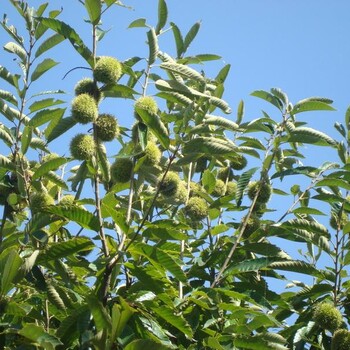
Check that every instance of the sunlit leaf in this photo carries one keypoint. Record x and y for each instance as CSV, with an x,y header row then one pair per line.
x,y
42,68
162,15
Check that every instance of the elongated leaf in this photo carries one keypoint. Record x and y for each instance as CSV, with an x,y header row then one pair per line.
x,y
192,33
63,125
10,113
70,34
250,265
49,165
11,30
334,182
17,50
177,321
152,45
63,249
280,95
121,313
6,136
145,344
10,264
296,266
309,135
49,43
240,112
6,75
307,105
77,214
54,297
26,138
42,68
223,105
209,145
45,116
99,313
183,70
221,122
175,97
199,59
162,15
38,335
53,177
268,97
156,125
103,163
7,96
170,264
178,39
242,184
93,8
5,163
47,102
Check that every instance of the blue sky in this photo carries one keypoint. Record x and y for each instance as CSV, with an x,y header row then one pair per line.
x,y
299,46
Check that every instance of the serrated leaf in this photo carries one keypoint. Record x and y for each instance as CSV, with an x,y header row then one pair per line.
x,y
169,263
307,105
209,145
10,113
56,179
46,115
62,126
37,143
17,50
119,91
218,102
42,68
6,136
308,211
145,344
240,112
175,320
334,182
49,43
268,97
77,214
184,71
49,165
66,248
199,59
70,34
280,95
5,163
192,33
93,8
162,15
54,297
156,126
242,184
103,163
152,45
47,102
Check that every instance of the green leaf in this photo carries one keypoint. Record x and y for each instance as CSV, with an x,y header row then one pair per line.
x,y
240,112
26,138
119,91
177,321
6,136
138,23
100,316
52,164
242,184
45,116
103,163
162,15
218,102
48,44
66,248
192,33
54,297
184,71
178,39
8,112
153,46
210,146
77,214
17,50
47,102
220,122
63,125
42,68
169,263
39,336
280,95
156,125
93,8
268,97
222,75
10,264
145,344
6,75
7,96
5,163
56,179
309,135
307,105
121,313
70,34
334,182
308,211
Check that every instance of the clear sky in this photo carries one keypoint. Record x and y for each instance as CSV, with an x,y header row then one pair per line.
x,y
302,47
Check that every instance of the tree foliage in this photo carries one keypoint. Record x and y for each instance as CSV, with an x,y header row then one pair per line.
x,y
174,242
